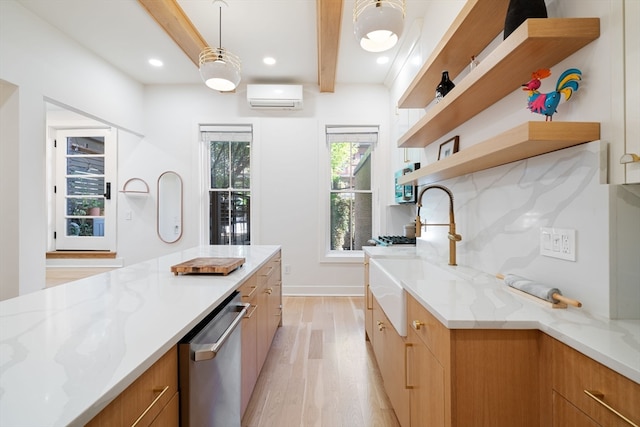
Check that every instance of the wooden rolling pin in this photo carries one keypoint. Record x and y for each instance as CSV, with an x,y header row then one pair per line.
x,y
538,290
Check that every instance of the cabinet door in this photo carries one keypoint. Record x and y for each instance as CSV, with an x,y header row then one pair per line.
x,y
426,379
390,350
249,369
170,414
368,307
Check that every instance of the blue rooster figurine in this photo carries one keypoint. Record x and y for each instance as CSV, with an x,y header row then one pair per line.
x,y
546,103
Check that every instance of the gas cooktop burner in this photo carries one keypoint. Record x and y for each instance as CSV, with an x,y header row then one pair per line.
x,y
396,240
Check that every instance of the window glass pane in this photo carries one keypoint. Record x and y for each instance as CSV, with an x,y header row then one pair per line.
x,y
229,217
219,164
85,227
85,165
240,165
351,221
78,145
341,165
77,186
83,206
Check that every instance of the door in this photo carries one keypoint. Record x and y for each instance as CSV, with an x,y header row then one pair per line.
x,y
85,168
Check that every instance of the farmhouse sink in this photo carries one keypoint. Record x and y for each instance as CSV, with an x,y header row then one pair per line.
x,y
385,281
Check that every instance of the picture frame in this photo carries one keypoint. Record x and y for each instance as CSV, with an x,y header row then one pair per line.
x,y
449,147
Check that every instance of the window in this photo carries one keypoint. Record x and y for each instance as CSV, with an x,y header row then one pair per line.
x,y
229,184
350,195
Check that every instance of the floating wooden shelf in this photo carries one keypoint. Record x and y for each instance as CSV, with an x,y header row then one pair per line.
x,y
537,43
477,24
526,140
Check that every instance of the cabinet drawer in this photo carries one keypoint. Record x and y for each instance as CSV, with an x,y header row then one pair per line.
x,y
573,373
567,415
142,401
249,289
430,331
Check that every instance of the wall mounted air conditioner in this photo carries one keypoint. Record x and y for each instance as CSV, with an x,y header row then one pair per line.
x,y
274,97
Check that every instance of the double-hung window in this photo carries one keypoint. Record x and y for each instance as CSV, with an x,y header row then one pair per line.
x,y
350,195
229,157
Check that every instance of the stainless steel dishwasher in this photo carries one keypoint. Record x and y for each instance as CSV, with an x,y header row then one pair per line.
x,y
209,372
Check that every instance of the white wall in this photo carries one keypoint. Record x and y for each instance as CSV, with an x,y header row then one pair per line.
x,y
45,64
9,192
499,211
285,172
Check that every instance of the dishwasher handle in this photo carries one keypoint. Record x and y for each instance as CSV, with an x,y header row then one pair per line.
x,y
210,353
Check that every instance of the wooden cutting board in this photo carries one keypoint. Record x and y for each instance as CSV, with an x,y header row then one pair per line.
x,y
206,265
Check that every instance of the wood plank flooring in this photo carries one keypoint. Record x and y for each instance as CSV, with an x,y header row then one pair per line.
x,y
58,275
320,371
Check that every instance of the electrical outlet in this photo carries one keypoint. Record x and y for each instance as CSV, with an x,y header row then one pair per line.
x,y
558,243
287,269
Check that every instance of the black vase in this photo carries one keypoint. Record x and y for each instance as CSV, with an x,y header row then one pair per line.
x,y
444,87
520,10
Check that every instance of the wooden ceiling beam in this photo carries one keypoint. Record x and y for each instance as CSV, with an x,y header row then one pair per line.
x,y
170,16
329,18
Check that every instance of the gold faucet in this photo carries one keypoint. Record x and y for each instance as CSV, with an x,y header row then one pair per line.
x,y
453,237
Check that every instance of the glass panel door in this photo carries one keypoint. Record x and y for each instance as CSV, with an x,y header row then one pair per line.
x,y
84,220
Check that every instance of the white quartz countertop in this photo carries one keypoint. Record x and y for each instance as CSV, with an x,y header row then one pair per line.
x,y
67,351
472,299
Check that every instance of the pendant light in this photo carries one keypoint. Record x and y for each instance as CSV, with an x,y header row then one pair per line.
x,y
378,23
219,68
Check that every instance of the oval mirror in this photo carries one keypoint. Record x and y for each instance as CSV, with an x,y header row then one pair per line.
x,y
169,207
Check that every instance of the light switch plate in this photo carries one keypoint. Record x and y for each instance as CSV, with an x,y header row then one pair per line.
x,y
558,243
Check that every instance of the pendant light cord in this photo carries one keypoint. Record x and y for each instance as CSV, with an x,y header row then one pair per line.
x,y
220,27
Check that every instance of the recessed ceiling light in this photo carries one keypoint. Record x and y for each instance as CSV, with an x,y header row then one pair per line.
x,y
269,60
156,62
382,60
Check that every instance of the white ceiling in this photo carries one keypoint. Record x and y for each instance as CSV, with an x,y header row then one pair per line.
x,y
121,32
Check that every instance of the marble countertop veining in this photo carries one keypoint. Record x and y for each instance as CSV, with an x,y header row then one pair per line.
x,y
473,299
67,351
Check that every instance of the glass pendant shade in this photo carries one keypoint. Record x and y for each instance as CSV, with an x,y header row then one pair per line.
x,y
378,23
219,69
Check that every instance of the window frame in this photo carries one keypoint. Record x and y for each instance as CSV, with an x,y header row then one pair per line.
x,y
325,254
205,177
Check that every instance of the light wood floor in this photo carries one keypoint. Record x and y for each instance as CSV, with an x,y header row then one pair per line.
x,y
58,275
320,370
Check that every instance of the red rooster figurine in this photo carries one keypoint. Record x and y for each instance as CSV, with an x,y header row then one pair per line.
x,y
546,103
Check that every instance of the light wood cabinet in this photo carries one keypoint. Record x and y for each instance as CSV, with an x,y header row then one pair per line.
x,y
153,396
263,291
249,369
269,310
390,352
489,377
426,384
614,399
368,303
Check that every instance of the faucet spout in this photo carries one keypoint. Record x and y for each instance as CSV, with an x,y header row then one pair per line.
x,y
452,235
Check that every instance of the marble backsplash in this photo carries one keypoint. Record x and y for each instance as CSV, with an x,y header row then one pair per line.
x,y
499,213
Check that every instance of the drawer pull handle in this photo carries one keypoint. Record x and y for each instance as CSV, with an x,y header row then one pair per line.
x,y
407,364
155,390
269,291
380,326
250,313
253,290
597,396
417,324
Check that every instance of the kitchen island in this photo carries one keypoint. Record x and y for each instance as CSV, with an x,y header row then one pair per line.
x,y
67,351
